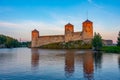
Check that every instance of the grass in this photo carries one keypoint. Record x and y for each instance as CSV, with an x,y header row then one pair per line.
x,y
111,49
68,45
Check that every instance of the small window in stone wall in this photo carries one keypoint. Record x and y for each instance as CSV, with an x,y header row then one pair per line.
x,y
80,34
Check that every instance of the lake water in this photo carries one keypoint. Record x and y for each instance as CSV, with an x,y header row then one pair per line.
x,y
45,64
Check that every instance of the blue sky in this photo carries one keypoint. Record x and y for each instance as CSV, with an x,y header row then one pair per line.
x,y
19,17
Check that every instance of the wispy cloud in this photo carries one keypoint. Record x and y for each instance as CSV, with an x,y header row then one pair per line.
x,y
8,24
106,34
94,4
23,29
90,1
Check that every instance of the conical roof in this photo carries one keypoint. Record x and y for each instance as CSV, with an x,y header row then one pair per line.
x,y
87,21
35,30
69,24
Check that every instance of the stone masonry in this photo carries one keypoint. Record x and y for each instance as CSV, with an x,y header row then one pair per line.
x,y
86,35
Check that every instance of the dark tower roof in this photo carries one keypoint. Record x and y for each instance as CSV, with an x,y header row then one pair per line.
x,y
35,30
88,21
68,24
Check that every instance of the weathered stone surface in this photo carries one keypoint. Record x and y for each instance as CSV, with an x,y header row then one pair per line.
x,y
70,35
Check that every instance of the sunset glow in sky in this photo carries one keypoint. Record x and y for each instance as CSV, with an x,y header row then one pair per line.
x,y
19,17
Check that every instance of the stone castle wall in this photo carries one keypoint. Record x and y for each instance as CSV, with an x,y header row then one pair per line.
x,y
70,35
77,36
43,40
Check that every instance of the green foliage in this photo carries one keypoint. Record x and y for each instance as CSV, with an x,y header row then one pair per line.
x,y
68,45
25,44
8,41
2,39
111,49
97,42
118,40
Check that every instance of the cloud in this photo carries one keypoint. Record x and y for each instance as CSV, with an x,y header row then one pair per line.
x,y
94,4
23,29
106,34
29,24
90,1
8,24
98,6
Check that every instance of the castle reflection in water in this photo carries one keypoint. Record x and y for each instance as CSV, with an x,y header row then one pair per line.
x,y
90,61
35,58
69,63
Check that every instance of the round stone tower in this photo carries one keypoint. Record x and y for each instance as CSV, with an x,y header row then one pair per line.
x,y
69,30
35,36
87,29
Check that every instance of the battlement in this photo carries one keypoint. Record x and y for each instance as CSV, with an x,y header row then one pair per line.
x,y
70,35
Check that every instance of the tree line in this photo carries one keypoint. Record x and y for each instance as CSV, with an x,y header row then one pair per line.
x,y
9,42
98,44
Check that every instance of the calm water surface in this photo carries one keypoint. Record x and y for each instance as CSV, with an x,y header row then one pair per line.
x,y
42,64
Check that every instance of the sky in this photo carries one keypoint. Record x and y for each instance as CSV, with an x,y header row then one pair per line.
x,y
19,17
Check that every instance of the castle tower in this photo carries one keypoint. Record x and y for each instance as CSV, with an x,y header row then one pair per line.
x,y
87,29
69,29
35,36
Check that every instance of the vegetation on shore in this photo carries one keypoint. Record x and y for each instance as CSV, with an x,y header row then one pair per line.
x,y
111,49
68,45
118,40
97,42
6,41
9,42
98,45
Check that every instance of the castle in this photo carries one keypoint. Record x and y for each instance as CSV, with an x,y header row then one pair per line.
x,y
86,35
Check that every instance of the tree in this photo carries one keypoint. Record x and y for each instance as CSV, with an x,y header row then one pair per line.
x,y
118,39
2,39
97,42
8,41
